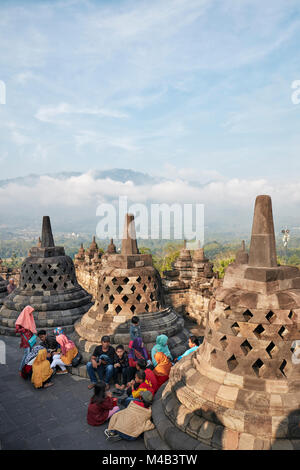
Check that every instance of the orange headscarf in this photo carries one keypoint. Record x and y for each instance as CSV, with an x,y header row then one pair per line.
x,y
26,319
41,370
163,364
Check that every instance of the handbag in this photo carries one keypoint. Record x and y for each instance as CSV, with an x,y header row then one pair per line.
x,y
77,360
31,341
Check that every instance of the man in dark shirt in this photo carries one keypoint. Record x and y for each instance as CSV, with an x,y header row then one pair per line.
x,y
48,341
121,365
102,362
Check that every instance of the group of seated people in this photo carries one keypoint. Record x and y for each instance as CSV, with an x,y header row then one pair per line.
x,y
40,361
141,373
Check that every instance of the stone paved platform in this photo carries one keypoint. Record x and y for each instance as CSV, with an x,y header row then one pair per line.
x,y
49,419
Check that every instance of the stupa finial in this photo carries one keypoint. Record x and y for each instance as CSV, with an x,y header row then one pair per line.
x,y
262,247
129,243
47,236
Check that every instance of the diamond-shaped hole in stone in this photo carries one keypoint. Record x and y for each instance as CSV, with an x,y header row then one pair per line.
x,y
107,288
258,331
283,332
224,342
119,289
282,367
118,309
65,284
138,297
34,273
44,287
126,280
247,315
147,308
257,367
33,287
114,280
270,316
271,349
144,287
133,288
155,285
133,308
151,297
157,305
149,278
232,363
39,279
235,329
111,299
25,285
55,286
291,314
125,299
105,308
101,296
45,272
246,347
49,266
138,279
50,279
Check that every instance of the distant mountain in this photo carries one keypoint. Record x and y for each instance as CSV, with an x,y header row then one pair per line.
x,y
116,174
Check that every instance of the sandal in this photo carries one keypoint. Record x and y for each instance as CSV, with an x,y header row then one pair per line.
x,y
48,385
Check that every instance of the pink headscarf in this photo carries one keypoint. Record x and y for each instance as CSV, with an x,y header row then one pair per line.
x,y
26,319
65,343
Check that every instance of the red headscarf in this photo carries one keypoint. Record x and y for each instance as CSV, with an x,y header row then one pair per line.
x,y
26,319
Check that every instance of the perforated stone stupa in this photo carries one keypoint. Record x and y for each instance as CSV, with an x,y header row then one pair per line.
x,y
241,388
188,287
128,285
48,283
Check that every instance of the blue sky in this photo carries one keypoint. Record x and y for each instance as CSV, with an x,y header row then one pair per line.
x,y
186,89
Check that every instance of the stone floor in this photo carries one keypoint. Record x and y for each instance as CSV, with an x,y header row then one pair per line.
x,y
53,418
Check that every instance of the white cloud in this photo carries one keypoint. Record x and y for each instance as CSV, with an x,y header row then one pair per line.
x,y
51,114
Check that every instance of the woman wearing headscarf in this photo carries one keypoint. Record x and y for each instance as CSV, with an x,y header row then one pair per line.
x,y
136,352
161,346
68,352
41,370
162,370
29,360
25,326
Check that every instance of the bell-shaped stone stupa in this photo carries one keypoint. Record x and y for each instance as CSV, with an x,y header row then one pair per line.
x,y
48,283
241,388
128,285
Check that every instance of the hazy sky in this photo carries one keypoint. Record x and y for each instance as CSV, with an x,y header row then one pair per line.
x,y
191,90
199,88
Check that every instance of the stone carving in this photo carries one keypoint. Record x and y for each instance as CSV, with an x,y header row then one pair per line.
x,y
48,283
240,389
